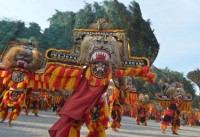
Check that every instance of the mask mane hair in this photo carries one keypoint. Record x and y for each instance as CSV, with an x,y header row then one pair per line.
x,y
87,46
9,59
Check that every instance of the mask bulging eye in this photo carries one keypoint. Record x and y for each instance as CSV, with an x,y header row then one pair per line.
x,y
105,42
20,55
98,41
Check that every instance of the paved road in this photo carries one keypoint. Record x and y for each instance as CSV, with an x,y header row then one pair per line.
x,y
31,126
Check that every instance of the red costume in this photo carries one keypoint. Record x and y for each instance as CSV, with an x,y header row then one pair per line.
x,y
83,98
142,107
11,100
19,63
101,55
172,117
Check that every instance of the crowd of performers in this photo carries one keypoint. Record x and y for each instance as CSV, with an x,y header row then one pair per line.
x,y
90,101
178,106
12,102
11,105
174,116
99,109
20,85
114,104
115,101
175,112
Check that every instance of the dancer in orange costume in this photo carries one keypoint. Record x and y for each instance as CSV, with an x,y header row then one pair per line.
x,y
116,116
191,118
60,105
158,115
45,102
172,115
35,103
12,100
96,119
101,55
20,61
142,109
115,107
90,87
28,101
120,100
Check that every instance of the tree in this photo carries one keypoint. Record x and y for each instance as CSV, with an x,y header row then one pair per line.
x,y
55,37
142,39
194,76
8,31
34,30
196,102
33,33
115,10
84,17
60,33
62,18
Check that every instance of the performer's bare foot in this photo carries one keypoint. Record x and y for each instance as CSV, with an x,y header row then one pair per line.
x,y
9,124
163,131
145,124
114,130
2,120
174,133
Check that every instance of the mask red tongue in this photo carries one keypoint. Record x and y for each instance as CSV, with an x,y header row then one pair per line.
x,y
100,57
21,64
100,71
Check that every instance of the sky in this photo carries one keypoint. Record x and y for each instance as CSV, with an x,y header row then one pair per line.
x,y
176,25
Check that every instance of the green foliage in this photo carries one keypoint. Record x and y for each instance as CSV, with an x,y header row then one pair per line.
x,y
84,17
62,18
142,39
12,30
99,11
33,30
196,102
55,37
8,31
114,9
194,76
60,33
